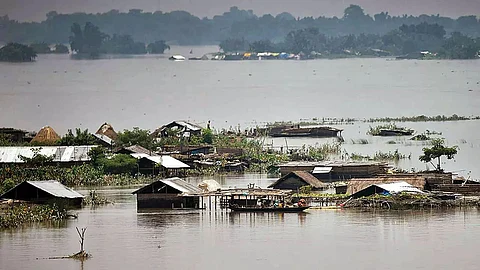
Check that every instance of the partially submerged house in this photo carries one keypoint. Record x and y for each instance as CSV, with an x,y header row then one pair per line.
x,y
297,179
331,171
159,165
62,155
168,193
387,189
46,135
356,185
180,128
44,192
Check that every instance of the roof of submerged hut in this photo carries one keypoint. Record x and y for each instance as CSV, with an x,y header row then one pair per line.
x,y
304,176
358,184
46,135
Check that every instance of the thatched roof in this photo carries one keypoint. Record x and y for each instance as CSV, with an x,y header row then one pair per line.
x,y
357,184
305,176
46,135
107,130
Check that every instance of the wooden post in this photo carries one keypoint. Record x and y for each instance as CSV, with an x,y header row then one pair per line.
x,y
82,237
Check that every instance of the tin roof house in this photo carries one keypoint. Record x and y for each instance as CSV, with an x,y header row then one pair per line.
x,y
44,192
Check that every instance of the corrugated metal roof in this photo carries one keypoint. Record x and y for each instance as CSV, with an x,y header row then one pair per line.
x,y
56,189
60,153
322,170
188,125
166,161
104,138
399,187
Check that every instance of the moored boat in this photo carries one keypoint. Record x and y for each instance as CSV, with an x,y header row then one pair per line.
x,y
177,58
238,208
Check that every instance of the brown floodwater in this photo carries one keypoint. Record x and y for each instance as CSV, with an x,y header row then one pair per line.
x,y
120,238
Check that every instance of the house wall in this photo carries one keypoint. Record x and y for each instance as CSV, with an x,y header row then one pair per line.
x,y
165,200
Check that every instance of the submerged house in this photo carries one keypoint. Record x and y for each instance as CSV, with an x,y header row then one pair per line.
x,y
356,185
163,165
332,171
44,192
387,189
16,135
297,179
168,193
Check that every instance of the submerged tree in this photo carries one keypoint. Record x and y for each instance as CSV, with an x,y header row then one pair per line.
x,y
88,41
16,52
438,150
157,47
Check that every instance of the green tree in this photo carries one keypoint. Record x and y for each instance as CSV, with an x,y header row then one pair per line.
x,y
80,138
460,46
88,41
16,52
37,159
207,135
41,48
122,44
119,164
136,136
234,45
60,48
157,47
438,150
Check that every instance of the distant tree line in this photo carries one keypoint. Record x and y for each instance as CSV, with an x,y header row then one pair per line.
x,y
405,40
181,27
91,41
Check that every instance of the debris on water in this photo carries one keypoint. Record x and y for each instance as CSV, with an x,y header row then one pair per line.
x,y
249,74
470,90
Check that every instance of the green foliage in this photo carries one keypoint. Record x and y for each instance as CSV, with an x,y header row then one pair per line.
x,y
423,118
80,138
317,152
207,135
234,45
438,150
459,46
37,159
60,48
86,41
119,164
15,52
40,48
157,47
122,44
23,214
375,131
136,136
305,189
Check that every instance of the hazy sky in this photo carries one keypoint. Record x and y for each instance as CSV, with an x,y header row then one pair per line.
x,y
28,10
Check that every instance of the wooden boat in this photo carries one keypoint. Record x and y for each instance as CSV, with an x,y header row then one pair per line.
x,y
395,132
237,208
297,131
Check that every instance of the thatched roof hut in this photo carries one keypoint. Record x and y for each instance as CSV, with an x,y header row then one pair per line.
x,y
46,135
358,184
107,130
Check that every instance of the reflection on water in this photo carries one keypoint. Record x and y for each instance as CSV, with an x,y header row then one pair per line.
x,y
119,237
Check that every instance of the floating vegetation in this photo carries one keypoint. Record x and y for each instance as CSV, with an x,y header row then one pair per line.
x,y
389,130
360,141
23,213
94,199
381,156
424,118
316,153
420,137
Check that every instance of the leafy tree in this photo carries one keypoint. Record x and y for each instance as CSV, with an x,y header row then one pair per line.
x,y
80,138
438,150
157,47
234,45
119,164
136,136
41,48
88,41
60,48
262,46
459,46
15,52
122,44
37,159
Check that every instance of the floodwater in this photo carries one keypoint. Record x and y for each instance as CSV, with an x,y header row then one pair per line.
x,y
120,238
149,91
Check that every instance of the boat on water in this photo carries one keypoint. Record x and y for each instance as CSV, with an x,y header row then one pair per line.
x,y
307,131
177,58
295,209
395,132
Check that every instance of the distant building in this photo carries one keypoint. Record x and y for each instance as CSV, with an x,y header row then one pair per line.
x,y
297,179
16,135
159,165
44,192
168,193
107,130
183,128
387,189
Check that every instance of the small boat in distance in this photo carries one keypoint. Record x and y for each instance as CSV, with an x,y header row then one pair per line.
x,y
293,209
177,58
307,131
